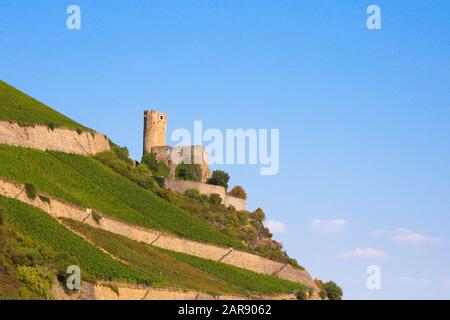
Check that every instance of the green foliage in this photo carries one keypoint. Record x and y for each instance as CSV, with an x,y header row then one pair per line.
x,y
149,160
159,169
38,279
215,199
193,194
164,269
18,107
219,178
88,183
238,192
245,279
259,215
333,291
49,235
31,190
189,172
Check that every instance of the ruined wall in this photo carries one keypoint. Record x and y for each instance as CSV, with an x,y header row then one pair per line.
x,y
58,139
154,129
61,209
181,186
239,204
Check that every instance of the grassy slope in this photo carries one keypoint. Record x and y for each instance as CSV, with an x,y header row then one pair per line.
x,y
183,271
18,107
168,271
88,183
41,228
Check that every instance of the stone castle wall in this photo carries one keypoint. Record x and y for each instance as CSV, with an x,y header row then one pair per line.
x,y
59,139
181,186
61,209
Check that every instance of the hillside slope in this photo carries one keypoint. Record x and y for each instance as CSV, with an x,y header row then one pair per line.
x,y
18,107
31,239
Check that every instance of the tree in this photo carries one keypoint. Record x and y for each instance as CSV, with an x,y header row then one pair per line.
x,y
238,192
334,292
220,178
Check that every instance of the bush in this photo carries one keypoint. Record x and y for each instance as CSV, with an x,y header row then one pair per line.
x,y
220,178
193,194
259,215
189,172
215,199
333,291
238,192
149,160
31,191
302,295
38,279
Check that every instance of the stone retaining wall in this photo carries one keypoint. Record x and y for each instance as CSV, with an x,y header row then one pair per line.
x,y
59,139
61,209
181,186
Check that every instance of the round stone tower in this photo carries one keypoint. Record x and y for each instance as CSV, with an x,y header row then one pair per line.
x,y
155,124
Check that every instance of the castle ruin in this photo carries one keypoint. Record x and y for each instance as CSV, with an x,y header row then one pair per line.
x,y
155,131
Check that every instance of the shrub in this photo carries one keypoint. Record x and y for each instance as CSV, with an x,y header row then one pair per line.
x,y
259,215
215,199
61,262
51,126
2,219
189,172
333,291
38,279
220,178
162,170
149,160
31,190
193,194
238,192
302,295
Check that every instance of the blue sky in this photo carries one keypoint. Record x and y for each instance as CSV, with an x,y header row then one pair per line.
x,y
364,116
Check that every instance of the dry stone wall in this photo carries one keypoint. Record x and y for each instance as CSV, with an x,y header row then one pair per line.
x,y
181,186
58,139
60,209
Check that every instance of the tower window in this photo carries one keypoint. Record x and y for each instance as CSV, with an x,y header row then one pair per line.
x,y
162,117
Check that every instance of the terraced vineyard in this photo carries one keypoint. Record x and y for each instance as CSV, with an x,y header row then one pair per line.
x,y
183,271
18,107
47,233
88,183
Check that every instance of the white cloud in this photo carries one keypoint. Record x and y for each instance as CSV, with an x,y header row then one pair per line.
x,y
368,253
447,283
403,235
328,226
408,281
378,232
276,227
